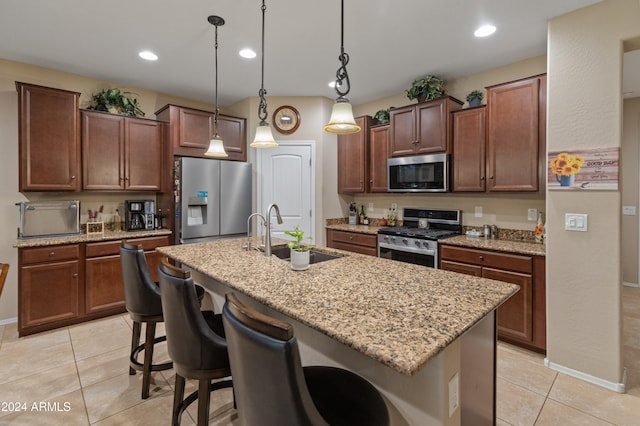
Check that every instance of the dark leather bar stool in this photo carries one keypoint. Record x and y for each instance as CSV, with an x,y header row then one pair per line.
x,y
195,340
271,386
142,300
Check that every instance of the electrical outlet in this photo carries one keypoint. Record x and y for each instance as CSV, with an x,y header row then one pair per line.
x,y
629,210
370,209
478,211
532,214
454,394
394,207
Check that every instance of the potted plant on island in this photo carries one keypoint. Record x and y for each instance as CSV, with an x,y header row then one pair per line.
x,y
426,89
299,252
116,102
474,98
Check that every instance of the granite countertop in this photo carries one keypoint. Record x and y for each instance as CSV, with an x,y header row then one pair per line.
x,y
399,314
362,229
84,238
520,247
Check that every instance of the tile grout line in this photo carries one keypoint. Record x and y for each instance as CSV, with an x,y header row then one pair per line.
x,y
75,363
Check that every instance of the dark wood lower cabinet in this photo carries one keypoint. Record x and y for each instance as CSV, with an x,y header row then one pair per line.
x,y
521,320
353,241
68,284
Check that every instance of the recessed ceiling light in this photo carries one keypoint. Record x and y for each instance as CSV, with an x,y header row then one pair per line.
x,y
484,31
148,55
247,53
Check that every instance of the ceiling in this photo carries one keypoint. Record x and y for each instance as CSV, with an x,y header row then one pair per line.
x,y
390,43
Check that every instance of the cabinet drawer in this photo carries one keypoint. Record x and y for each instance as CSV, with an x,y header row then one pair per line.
x,y
354,238
50,254
511,262
462,268
108,248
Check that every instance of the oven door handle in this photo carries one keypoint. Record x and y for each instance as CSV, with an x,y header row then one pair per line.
x,y
429,252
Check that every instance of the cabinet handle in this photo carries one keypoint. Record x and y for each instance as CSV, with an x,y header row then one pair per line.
x,y
350,238
481,177
75,275
127,179
370,180
52,253
481,257
490,177
73,177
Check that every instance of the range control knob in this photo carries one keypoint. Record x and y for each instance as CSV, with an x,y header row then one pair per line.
x,y
405,241
418,243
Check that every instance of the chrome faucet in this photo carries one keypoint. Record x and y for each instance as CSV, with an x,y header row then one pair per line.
x,y
247,246
267,243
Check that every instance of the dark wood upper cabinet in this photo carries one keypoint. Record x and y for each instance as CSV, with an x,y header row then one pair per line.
x,y
422,128
468,145
190,131
378,154
353,158
49,139
121,153
516,120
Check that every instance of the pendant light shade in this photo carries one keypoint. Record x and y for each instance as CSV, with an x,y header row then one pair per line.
x,y
264,137
216,146
342,121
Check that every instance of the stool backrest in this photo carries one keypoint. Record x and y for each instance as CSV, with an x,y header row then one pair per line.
x,y
191,343
4,270
141,293
268,379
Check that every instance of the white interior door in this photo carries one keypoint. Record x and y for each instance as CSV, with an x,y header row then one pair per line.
x,y
285,177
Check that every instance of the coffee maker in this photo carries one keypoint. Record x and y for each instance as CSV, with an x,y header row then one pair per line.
x,y
139,215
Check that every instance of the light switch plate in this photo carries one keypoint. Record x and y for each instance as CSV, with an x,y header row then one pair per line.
x,y
629,210
478,211
370,209
576,222
532,214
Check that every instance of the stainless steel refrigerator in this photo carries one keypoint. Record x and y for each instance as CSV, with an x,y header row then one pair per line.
x,y
212,199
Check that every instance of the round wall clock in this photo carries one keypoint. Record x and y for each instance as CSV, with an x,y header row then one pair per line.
x,y
286,119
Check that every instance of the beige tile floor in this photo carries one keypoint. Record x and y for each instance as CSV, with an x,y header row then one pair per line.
x,y
79,376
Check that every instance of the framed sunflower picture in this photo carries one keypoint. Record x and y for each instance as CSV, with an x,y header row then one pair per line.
x,y
590,169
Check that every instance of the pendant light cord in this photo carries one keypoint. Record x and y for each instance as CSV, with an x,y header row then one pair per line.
x,y
215,118
262,108
341,74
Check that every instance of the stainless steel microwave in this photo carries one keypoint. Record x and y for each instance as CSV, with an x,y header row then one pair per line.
x,y
419,173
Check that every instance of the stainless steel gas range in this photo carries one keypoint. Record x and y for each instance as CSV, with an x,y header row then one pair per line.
x,y
417,240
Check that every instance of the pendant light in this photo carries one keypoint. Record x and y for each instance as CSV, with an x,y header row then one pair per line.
x,y
264,137
342,121
216,146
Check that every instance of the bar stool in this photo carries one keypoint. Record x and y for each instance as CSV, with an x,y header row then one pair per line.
x,y
195,341
142,300
272,388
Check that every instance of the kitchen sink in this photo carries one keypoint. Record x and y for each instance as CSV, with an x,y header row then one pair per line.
x,y
284,253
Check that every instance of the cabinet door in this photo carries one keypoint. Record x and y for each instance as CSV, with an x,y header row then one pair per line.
x,y
468,160
103,284
233,132
143,155
378,154
431,127
49,136
196,128
515,316
402,139
353,158
513,136
103,139
48,293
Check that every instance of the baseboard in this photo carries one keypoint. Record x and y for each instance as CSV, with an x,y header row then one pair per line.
x,y
616,387
8,321
631,284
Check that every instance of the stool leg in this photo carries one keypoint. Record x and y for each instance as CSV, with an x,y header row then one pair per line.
x,y
178,396
204,399
135,341
148,359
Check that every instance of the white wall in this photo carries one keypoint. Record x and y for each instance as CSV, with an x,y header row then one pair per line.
x,y
584,326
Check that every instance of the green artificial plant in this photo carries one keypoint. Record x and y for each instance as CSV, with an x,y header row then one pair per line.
x,y
297,244
116,101
426,89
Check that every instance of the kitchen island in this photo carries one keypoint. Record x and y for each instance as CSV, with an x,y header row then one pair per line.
x,y
418,334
